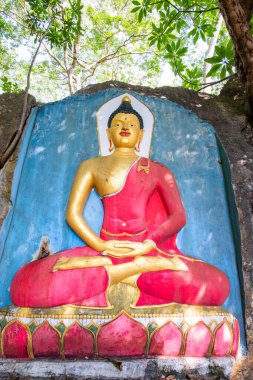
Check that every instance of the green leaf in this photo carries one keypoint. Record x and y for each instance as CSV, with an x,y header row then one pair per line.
x,y
203,35
220,50
169,48
192,32
170,36
214,69
162,14
181,67
183,51
214,59
152,41
134,10
155,28
223,72
140,15
178,43
196,37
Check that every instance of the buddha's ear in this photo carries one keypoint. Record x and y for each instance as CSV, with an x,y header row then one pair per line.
x,y
137,146
110,140
108,133
141,135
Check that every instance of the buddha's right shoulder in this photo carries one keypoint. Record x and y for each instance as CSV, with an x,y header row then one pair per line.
x,y
91,164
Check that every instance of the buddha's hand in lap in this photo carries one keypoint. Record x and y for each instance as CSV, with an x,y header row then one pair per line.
x,y
78,262
124,249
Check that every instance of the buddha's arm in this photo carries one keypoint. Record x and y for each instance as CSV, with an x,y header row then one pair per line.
x,y
169,193
80,191
82,186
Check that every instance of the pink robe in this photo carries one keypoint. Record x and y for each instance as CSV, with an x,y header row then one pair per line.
x,y
147,207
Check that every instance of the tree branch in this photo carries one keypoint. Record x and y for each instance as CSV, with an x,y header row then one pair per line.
x,y
108,56
215,82
112,56
75,50
52,55
185,10
14,19
201,84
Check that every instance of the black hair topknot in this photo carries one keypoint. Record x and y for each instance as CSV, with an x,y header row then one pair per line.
x,y
126,107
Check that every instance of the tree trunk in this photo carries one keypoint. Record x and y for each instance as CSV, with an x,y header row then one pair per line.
x,y
237,15
70,80
247,6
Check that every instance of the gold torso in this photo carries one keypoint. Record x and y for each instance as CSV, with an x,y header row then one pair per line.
x,y
109,172
105,174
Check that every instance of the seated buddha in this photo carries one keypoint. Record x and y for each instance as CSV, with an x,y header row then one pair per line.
x,y
143,214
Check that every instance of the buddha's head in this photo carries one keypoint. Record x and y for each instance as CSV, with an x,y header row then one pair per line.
x,y
125,126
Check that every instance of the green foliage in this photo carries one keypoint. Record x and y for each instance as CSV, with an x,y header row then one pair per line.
x,y
8,86
193,77
202,28
115,46
58,21
175,50
87,42
5,28
223,61
55,21
102,40
181,28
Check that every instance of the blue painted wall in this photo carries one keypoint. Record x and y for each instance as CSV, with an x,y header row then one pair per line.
x,y
62,134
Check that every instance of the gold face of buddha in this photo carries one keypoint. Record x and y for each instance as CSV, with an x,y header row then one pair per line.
x,y
125,131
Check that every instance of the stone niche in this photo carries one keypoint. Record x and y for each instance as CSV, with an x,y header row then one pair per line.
x,y
198,139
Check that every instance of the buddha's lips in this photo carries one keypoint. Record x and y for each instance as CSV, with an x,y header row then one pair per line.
x,y
125,133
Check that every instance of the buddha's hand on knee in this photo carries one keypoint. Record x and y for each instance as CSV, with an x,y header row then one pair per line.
x,y
81,262
124,249
61,264
156,263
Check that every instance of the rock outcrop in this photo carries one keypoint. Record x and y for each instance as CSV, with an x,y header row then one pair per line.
x,y
10,114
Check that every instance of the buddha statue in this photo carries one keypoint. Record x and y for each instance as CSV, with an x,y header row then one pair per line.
x,y
143,214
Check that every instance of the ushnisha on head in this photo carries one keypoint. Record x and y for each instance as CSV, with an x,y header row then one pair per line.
x,y
125,127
